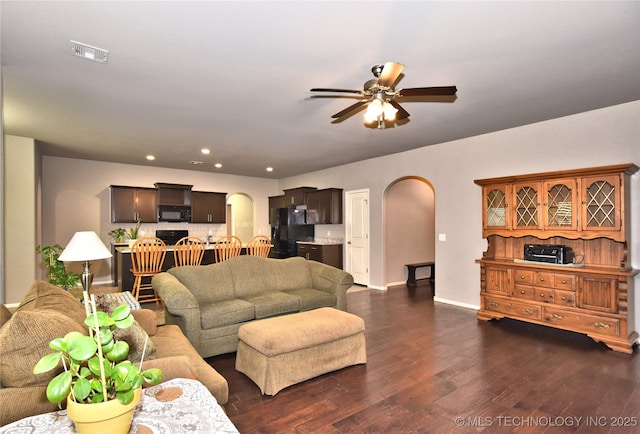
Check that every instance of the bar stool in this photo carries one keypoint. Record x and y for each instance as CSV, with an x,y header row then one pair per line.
x,y
188,251
147,258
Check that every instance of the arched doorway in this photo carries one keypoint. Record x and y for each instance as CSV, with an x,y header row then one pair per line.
x,y
409,226
241,224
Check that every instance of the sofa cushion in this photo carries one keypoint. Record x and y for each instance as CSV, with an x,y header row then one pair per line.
x,y
24,340
291,273
200,279
274,303
226,312
135,335
252,275
43,295
312,298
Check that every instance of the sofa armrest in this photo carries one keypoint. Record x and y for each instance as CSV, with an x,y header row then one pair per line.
x,y
147,320
20,402
173,367
181,307
332,280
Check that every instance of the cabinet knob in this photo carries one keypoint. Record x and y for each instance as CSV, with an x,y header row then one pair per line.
x,y
542,279
522,291
564,281
522,276
541,295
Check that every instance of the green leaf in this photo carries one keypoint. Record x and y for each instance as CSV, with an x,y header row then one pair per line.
x,y
121,312
152,375
125,397
125,323
47,363
82,348
119,352
81,389
58,344
58,388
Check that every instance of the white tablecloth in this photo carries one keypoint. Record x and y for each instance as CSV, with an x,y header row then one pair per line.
x,y
194,411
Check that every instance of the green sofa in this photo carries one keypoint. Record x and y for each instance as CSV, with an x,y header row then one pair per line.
x,y
210,302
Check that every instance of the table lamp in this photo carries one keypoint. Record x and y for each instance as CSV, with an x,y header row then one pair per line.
x,y
85,246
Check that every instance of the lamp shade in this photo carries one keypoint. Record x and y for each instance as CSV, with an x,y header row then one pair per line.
x,y
85,246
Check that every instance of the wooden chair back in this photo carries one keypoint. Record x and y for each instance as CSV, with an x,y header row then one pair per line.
x,y
259,245
227,247
147,255
188,251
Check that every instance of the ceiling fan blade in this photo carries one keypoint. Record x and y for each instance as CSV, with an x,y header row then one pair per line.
x,y
390,74
425,91
322,89
402,113
350,109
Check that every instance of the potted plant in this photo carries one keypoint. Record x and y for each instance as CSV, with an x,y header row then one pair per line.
x,y
97,376
58,274
133,233
117,235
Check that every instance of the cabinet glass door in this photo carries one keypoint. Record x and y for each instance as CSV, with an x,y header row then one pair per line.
x,y
560,199
526,206
495,207
601,203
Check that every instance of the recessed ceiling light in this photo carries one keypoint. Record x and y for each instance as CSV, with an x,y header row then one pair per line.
x,y
197,163
150,157
88,52
269,169
205,151
218,165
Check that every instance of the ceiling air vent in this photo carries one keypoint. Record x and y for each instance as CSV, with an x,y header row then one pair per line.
x,y
88,52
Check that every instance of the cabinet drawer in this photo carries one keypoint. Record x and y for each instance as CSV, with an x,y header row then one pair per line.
x,y
544,295
523,292
583,322
513,308
564,281
564,298
524,277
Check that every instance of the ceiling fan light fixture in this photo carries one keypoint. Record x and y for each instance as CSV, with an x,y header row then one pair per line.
x,y
389,111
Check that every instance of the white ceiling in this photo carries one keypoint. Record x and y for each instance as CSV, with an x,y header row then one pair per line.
x,y
235,76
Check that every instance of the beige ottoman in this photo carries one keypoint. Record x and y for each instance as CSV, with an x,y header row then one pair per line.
x,y
278,352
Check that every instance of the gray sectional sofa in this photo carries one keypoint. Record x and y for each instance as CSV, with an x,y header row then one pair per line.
x,y
210,302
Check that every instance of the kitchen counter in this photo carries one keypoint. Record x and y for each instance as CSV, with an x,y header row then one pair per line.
x,y
321,242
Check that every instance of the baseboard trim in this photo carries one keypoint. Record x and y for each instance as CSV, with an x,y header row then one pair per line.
x,y
456,303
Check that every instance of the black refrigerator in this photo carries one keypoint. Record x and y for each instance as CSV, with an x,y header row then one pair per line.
x,y
288,225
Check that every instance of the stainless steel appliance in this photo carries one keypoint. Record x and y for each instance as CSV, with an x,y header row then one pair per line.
x,y
288,226
550,253
171,236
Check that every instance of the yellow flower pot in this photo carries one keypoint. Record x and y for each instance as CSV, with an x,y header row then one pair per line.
x,y
109,417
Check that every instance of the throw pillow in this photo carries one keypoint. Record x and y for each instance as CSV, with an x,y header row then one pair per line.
x,y
135,335
5,314
44,295
25,338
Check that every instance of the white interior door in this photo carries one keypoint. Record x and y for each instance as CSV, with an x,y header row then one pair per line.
x,y
357,235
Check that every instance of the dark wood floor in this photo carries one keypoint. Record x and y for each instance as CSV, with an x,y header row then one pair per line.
x,y
433,368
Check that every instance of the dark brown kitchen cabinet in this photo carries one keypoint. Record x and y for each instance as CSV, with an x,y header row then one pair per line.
x,y
330,254
297,196
130,204
324,207
208,207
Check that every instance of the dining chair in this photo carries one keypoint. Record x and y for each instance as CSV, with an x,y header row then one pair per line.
x,y
227,247
147,258
188,251
259,245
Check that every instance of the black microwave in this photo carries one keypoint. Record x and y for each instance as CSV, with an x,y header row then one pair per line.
x,y
174,213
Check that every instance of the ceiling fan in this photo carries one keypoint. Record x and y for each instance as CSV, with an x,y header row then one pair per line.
x,y
380,94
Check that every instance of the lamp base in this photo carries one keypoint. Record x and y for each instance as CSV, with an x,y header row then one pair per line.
x,y
86,277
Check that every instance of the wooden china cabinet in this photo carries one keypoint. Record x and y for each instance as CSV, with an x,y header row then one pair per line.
x,y
587,210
